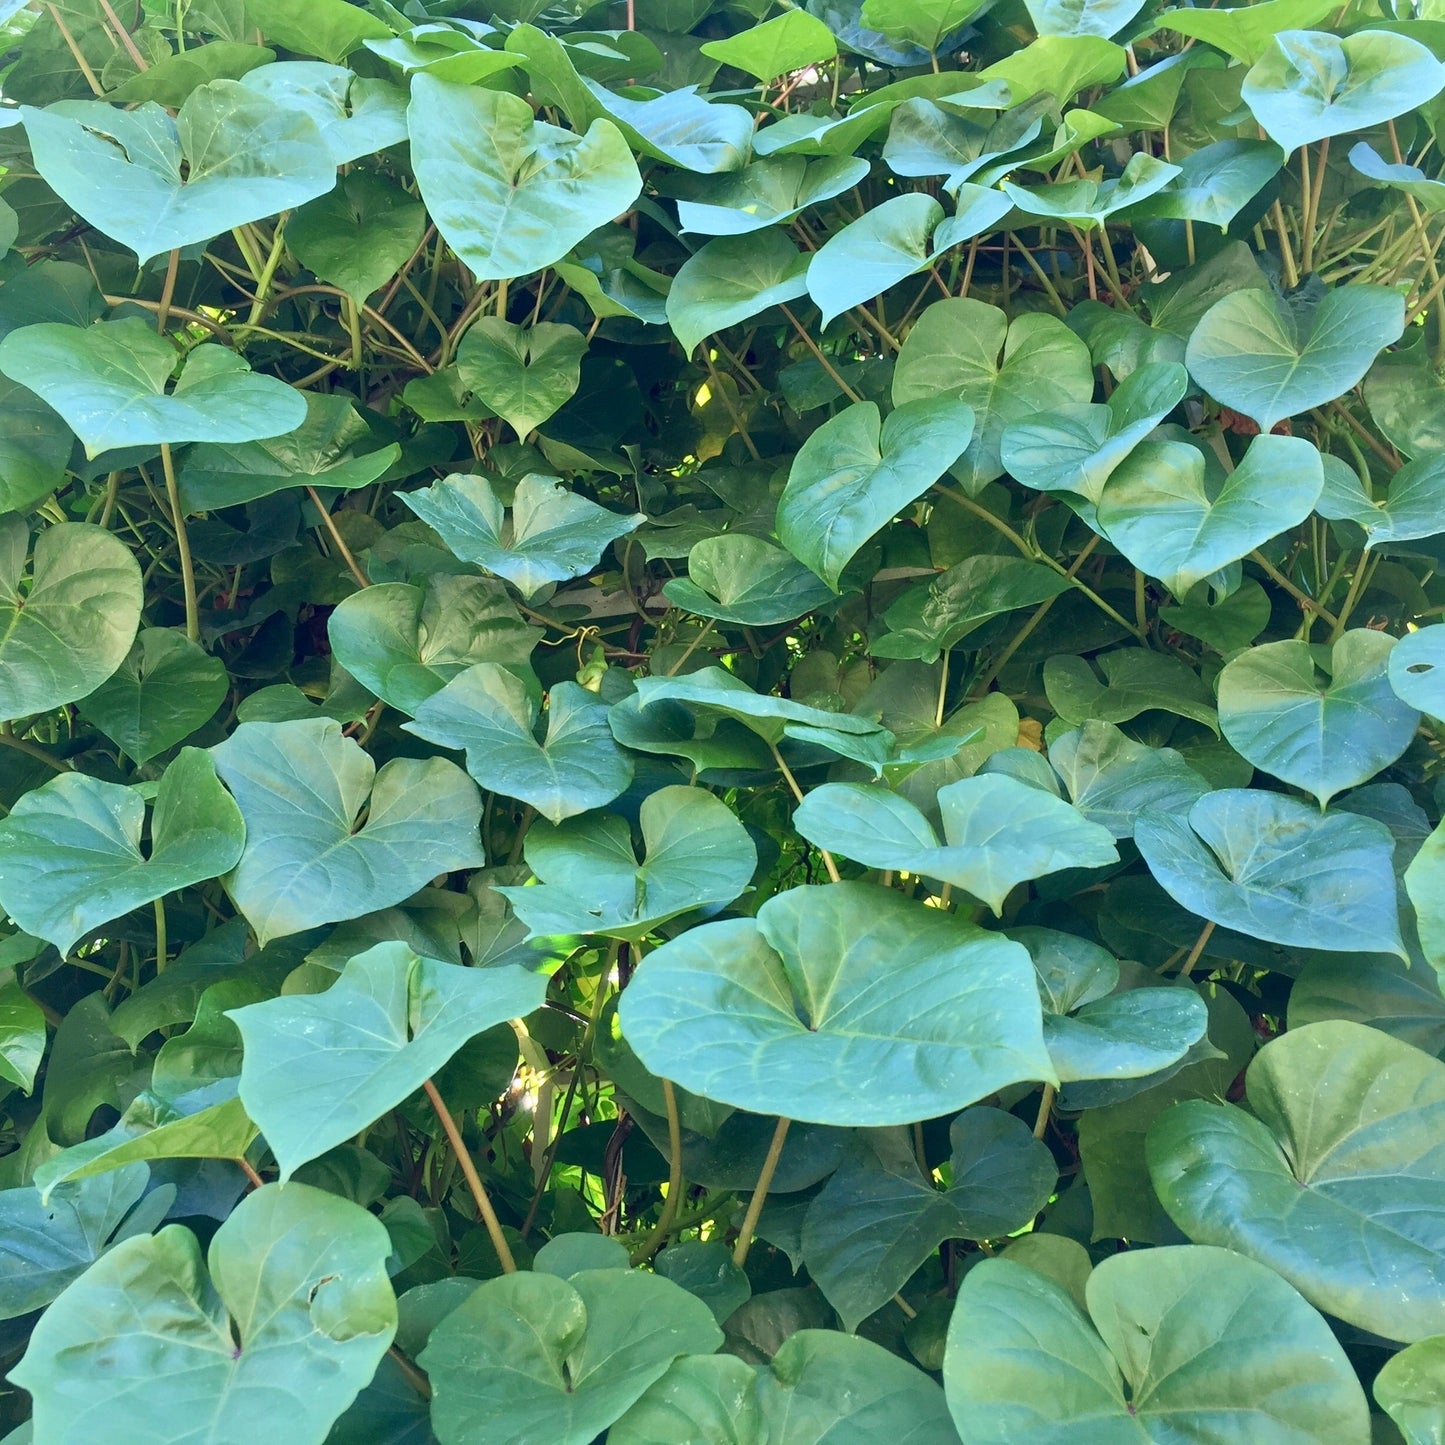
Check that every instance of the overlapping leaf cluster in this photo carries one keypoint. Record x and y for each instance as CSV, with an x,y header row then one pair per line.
x,y
722,721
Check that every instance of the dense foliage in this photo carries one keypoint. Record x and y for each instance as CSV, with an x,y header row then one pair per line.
x,y
720,722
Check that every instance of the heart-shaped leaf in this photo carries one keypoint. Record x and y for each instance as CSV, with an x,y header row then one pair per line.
x,y
1087,204
558,1360
512,194
301,787
1270,361
35,445
1136,680
765,193
70,854
924,23
713,1396
1111,779
332,447
1168,1335
1245,32
934,617
319,1068
1409,179
356,115
1173,516
360,234
1082,17
1005,371
553,534
739,578
1409,510
295,1306
697,853
45,1245
897,239
109,383
154,183
853,474
998,833
163,691
878,1219
732,279
1214,184
784,1014
1334,1179
1078,448
1322,734
67,625
1272,868
523,373
925,139
1308,84
405,643
491,714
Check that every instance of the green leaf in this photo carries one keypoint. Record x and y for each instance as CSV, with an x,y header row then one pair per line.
x,y
1078,448
330,447
1087,204
301,787
70,854
35,445
558,1360
553,534
1246,31
1334,1179
1111,779
291,1314
708,1399
705,1267
765,193
853,474
1005,371
22,1034
68,620
1061,65
1411,180
697,853
1214,184
892,242
358,235
406,643
1082,17
1322,734
1258,356
1414,670
331,29
1174,517
1136,681
789,42
1273,868
783,1014
732,279
681,127
925,23
877,1220
925,139
523,373
1423,883
999,832
525,197
490,713
109,383
1409,510
45,1246
355,115
1308,85
163,691
1178,1344
1410,1391
739,578
934,617
828,1386
319,1068
242,158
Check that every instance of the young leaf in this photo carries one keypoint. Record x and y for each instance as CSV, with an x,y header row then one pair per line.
x,y
523,373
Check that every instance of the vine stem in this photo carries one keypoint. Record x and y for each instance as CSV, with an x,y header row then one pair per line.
x,y
33,750
1205,934
183,544
760,1194
337,540
1303,598
1046,1104
674,1176
474,1180
818,355
797,792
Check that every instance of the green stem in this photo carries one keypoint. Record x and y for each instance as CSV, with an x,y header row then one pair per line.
x,y
474,1180
183,544
760,1194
